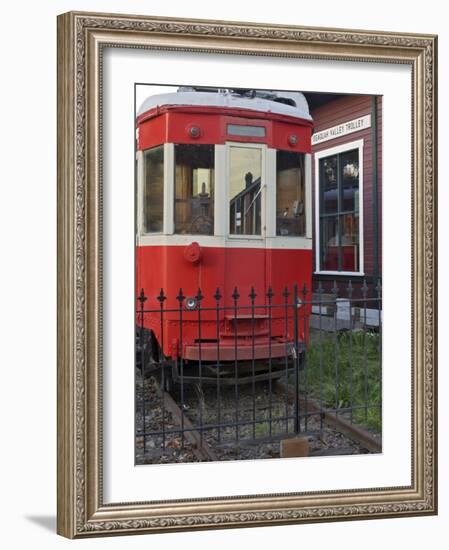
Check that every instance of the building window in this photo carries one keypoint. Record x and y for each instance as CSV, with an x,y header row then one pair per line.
x,y
245,172
153,202
194,189
339,222
290,194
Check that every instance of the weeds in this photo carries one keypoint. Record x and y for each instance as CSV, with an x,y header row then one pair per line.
x,y
343,372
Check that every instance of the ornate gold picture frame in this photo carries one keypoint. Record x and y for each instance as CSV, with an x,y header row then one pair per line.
x,y
82,40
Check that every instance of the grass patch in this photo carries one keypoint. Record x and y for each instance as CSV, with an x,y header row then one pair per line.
x,y
343,371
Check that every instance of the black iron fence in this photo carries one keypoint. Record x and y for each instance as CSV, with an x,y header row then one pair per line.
x,y
218,374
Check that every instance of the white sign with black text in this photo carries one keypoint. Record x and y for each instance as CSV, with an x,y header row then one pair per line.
x,y
342,129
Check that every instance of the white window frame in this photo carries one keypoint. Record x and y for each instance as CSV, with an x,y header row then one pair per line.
x,y
302,239
358,144
169,188
168,236
220,190
141,191
140,194
218,184
263,182
221,236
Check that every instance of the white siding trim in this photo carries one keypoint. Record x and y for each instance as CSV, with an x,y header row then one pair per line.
x,y
220,190
309,191
358,144
169,188
262,147
275,243
140,193
351,273
270,193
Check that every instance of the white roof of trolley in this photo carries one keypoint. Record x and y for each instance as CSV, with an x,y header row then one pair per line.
x,y
283,103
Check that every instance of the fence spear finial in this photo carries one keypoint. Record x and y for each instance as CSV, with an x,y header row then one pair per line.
x,y
142,298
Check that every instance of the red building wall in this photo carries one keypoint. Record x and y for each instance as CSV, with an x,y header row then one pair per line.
x,y
333,113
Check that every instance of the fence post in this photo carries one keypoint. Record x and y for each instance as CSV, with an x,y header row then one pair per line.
x,y
320,291
349,291
142,299
296,359
218,297
365,360
252,296
286,295
235,297
379,345
202,402
161,299
270,295
335,293
306,389
180,297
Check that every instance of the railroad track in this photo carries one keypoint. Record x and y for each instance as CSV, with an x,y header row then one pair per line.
x,y
199,445
176,439
365,438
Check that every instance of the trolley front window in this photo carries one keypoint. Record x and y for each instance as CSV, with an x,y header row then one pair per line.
x,y
153,202
290,194
194,189
245,190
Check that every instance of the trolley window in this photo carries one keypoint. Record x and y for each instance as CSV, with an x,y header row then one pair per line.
x,y
194,189
153,203
245,190
290,194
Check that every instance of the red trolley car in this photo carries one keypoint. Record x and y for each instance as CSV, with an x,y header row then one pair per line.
x,y
224,204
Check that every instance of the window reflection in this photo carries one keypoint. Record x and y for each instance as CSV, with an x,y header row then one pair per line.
x,y
340,243
194,189
329,185
339,212
349,166
153,203
290,195
245,190
329,243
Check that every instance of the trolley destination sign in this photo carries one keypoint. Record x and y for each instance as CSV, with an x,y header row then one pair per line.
x,y
342,129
